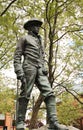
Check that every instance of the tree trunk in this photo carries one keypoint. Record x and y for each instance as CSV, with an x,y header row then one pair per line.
x,y
35,112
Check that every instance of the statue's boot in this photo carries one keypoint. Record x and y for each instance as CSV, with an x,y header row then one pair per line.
x,y
21,111
51,114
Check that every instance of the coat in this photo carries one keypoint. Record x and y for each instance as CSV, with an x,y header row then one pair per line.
x,y
30,47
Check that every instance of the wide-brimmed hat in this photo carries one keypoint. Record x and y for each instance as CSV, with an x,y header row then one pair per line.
x,y
33,21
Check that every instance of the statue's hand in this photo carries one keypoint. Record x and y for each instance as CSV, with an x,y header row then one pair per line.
x,y
22,79
45,71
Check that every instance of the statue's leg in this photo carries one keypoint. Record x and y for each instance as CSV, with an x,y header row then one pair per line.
x,y
46,90
51,113
21,111
30,74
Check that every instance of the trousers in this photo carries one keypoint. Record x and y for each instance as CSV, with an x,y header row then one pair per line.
x,y
35,76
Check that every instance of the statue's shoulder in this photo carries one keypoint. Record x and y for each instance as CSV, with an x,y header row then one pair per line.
x,y
20,41
28,38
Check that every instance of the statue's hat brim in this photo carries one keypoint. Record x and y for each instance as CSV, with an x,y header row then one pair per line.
x,y
31,22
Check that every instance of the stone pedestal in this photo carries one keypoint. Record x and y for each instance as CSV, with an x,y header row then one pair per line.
x,y
45,128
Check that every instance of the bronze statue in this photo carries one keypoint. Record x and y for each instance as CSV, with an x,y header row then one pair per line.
x,y
32,71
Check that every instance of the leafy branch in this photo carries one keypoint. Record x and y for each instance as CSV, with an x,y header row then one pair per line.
x,y
7,7
69,31
70,91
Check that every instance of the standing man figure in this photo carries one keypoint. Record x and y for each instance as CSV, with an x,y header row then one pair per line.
x,y
32,71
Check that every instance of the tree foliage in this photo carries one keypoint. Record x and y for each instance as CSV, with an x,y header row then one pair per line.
x,y
7,100
62,35
69,110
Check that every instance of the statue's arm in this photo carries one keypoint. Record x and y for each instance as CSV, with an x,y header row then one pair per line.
x,y
18,58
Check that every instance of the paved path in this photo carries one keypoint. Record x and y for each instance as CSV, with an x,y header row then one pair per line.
x,y
45,128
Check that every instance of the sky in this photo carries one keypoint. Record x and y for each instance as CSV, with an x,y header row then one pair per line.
x,y
9,73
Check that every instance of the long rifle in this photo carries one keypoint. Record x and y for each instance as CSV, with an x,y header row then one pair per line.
x,y
17,95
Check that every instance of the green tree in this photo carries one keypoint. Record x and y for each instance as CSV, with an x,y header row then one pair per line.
x,y
63,23
69,110
62,31
7,100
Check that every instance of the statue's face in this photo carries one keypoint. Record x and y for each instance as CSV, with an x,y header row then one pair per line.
x,y
35,29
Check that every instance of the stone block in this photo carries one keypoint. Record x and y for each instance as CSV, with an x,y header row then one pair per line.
x,y
45,128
